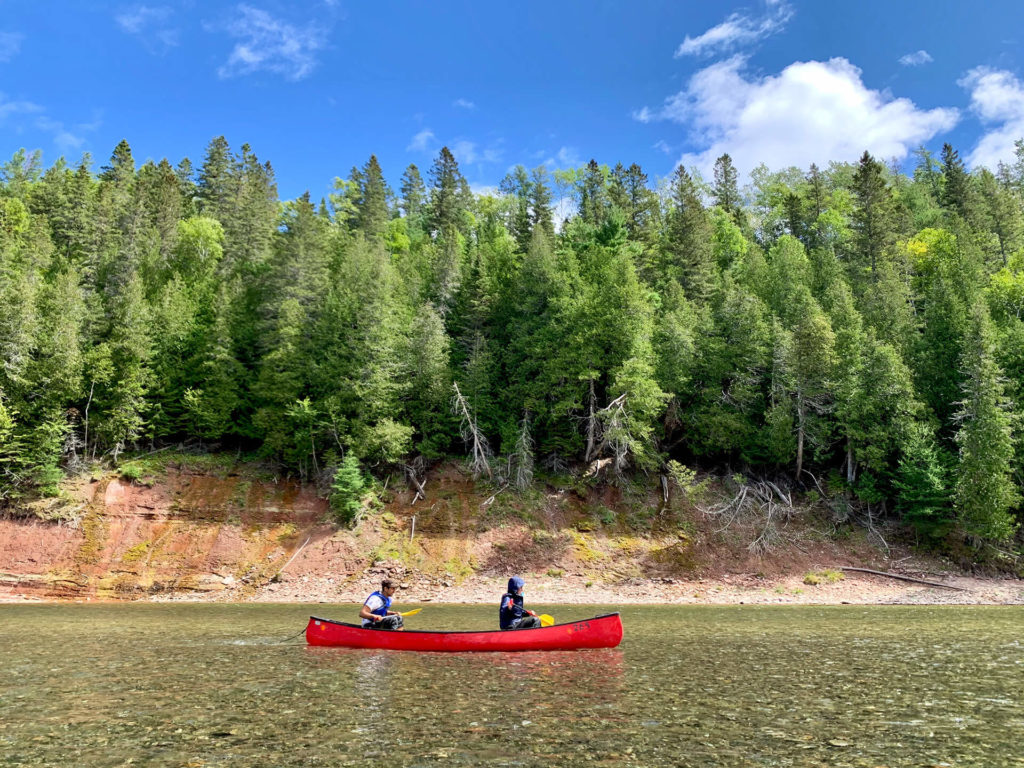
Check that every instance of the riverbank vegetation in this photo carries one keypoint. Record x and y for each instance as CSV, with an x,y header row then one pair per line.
x,y
852,331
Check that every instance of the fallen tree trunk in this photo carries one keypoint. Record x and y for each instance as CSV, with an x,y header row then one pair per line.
x,y
902,578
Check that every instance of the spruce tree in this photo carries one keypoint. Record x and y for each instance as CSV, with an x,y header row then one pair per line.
x,y
688,239
373,214
540,203
985,492
447,196
873,217
725,190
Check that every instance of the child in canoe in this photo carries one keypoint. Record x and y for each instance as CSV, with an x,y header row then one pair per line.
x,y
375,612
512,614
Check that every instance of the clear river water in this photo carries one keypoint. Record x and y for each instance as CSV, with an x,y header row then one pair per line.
x,y
224,685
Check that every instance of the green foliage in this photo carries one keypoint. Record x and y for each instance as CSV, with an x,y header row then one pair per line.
x,y
833,320
347,491
985,490
827,576
686,481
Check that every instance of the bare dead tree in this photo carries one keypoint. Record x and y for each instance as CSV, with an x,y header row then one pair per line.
x,y
594,426
616,435
523,477
421,492
476,441
755,504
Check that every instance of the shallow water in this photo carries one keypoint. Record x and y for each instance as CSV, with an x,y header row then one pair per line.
x,y
223,685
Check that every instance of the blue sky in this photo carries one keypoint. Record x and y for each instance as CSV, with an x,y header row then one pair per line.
x,y
316,87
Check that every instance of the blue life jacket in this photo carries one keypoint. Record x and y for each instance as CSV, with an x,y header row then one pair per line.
x,y
382,611
511,604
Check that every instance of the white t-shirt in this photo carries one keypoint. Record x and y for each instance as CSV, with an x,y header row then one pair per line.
x,y
373,602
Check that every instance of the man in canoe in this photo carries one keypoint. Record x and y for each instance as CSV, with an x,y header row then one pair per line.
x,y
512,614
376,613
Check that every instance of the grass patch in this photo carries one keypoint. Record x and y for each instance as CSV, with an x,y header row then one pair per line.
x,y
585,549
555,573
460,569
286,532
828,576
219,464
397,547
136,553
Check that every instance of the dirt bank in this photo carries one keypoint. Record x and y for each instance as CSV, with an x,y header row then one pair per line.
x,y
233,535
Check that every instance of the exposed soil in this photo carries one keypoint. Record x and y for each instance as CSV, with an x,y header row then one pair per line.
x,y
202,537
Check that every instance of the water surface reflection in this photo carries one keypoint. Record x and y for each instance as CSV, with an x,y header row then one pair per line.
x,y
215,685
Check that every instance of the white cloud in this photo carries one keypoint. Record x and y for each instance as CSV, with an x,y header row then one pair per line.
x,y
464,104
997,98
565,157
465,152
151,25
738,29
487,190
812,111
266,43
661,146
644,115
10,44
916,59
136,20
563,209
8,108
63,139
469,152
422,141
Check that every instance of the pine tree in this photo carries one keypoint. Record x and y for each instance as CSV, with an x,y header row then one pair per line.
x,y
688,239
985,492
922,484
216,188
873,216
516,187
540,203
373,214
955,189
1002,215
725,191
811,364
448,201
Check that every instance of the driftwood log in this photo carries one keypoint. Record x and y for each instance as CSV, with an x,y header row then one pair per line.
x,y
902,578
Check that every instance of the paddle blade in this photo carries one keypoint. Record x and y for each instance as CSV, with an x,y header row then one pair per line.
x,y
546,621
413,612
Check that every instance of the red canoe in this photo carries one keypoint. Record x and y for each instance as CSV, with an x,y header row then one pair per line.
x,y
598,632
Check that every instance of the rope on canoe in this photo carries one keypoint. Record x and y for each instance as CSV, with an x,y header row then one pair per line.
x,y
287,640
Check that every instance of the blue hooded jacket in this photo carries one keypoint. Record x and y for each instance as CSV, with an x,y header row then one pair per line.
x,y
511,603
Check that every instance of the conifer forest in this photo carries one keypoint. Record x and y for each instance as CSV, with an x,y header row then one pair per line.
x,y
854,328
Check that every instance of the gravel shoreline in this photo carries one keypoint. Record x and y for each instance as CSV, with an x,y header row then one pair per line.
x,y
739,589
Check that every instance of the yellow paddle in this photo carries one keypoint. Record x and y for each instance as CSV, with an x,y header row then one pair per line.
x,y
547,621
413,612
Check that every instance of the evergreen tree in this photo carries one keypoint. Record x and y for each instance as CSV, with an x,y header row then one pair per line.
x,y
373,214
448,201
985,492
540,203
874,215
216,185
688,239
594,202
516,187
725,191
955,190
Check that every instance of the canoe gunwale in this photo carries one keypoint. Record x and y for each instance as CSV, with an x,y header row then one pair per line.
x,y
460,631
596,632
